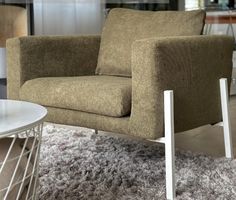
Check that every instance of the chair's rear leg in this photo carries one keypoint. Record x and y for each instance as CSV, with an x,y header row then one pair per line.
x,y
226,118
169,144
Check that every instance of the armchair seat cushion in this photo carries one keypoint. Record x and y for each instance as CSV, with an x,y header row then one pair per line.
x,y
103,95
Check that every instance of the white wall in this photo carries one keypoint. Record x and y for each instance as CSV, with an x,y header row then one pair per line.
x,y
67,17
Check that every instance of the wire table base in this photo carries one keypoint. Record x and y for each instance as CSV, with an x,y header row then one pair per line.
x,y
19,163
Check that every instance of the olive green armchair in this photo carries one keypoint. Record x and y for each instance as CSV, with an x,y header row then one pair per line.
x,y
124,80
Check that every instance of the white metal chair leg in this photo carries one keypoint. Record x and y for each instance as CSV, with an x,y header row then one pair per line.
x,y
169,144
226,119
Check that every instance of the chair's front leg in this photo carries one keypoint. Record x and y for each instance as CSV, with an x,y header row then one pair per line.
x,y
226,118
169,144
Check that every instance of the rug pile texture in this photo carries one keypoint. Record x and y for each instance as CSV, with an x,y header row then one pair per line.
x,y
80,165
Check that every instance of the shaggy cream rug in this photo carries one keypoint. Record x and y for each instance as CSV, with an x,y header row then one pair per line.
x,y
79,165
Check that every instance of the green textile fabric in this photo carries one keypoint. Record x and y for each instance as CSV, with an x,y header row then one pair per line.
x,y
89,120
48,56
124,26
55,70
104,95
191,67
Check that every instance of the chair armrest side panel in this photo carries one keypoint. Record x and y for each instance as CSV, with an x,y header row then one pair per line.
x,y
191,66
49,56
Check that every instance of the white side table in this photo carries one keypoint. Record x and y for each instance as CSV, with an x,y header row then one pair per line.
x,y
21,123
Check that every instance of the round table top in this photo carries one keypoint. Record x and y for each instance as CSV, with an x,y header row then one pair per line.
x,y
19,115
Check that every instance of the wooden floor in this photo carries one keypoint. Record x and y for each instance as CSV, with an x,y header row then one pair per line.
x,y
208,139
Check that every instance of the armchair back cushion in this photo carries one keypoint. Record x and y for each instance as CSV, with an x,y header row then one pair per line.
x,y
124,26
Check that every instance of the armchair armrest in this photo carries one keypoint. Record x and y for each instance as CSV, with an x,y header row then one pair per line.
x,y
190,66
48,56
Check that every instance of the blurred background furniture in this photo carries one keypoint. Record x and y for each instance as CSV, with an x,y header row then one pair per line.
x,y
228,18
221,23
144,4
13,23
